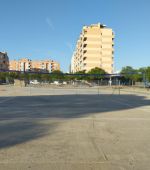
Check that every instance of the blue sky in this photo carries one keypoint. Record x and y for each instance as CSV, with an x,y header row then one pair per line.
x,y
41,29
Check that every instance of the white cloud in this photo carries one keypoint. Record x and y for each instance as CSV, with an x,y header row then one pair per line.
x,y
50,23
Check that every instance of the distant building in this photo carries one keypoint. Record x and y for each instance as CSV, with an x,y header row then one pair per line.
x,y
94,48
4,61
14,65
25,64
45,65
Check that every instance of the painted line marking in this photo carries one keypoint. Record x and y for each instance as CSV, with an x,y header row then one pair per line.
x,y
8,99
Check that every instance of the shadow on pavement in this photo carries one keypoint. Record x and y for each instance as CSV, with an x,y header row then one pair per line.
x,y
20,118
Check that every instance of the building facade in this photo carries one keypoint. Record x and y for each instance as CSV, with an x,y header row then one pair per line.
x,y
94,48
25,64
4,61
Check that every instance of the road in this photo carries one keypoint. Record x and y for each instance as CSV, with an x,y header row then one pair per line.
x,y
63,130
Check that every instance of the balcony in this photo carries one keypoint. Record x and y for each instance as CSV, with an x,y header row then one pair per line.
x,y
85,38
85,45
84,51
84,58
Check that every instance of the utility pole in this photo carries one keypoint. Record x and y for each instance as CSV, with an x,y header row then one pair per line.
x,y
144,78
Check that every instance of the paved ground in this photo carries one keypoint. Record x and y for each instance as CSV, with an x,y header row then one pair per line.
x,y
74,129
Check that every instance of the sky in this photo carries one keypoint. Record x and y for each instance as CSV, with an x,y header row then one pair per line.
x,y
49,29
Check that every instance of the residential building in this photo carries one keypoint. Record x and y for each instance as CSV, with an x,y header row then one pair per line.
x,y
94,48
45,65
14,65
25,64
4,61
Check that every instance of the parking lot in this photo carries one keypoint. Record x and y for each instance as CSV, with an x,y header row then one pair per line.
x,y
74,128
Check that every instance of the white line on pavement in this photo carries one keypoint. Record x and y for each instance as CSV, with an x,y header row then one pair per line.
x,y
5,100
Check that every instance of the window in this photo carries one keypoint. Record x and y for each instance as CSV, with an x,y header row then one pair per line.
x,y
84,58
85,38
84,45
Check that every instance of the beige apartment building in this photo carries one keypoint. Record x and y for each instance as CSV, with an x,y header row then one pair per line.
x,y
4,61
94,48
25,64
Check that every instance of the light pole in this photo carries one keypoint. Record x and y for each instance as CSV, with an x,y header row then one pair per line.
x,y
144,77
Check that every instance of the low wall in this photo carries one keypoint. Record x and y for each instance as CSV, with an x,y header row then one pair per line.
x,y
19,83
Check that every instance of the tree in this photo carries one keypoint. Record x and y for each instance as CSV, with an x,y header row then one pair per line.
x,y
82,76
96,73
45,77
131,75
57,75
97,70
80,72
57,72
148,73
127,70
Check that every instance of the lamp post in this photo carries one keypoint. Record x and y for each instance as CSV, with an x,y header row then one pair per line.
x,y
144,77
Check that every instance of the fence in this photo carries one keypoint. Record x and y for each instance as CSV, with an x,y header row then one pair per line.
x,y
44,83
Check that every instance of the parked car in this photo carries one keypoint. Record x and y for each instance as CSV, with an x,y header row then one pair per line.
x,y
34,82
147,84
2,81
64,83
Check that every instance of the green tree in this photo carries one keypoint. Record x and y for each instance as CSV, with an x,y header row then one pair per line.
x,y
148,74
2,76
127,70
131,75
57,75
57,72
96,70
80,75
99,73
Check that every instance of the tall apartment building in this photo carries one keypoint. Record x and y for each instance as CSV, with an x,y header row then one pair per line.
x,y
4,61
25,64
94,48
